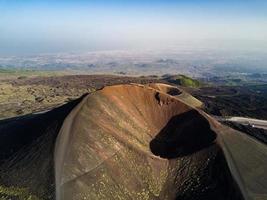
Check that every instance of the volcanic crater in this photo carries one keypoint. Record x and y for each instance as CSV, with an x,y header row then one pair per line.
x,y
136,142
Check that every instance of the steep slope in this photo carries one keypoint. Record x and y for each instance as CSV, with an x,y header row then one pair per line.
x,y
135,142
26,154
247,158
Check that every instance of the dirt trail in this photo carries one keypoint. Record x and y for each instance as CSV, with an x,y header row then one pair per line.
x,y
249,121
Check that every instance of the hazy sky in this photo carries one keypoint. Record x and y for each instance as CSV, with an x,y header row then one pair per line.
x,y
35,26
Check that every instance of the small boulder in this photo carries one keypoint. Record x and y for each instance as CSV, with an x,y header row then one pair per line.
x,y
39,99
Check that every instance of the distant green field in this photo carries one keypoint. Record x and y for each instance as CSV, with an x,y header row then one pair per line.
x,y
185,81
23,73
16,71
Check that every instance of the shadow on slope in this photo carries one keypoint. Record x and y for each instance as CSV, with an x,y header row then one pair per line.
x,y
184,134
26,153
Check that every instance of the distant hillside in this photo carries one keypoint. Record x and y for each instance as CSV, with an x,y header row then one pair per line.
x,y
183,80
7,73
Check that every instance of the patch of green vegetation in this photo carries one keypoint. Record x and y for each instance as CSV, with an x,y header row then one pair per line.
x,y
260,88
185,81
16,192
24,73
234,82
16,71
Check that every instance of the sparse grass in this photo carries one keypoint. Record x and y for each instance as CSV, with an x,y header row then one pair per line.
x,y
18,100
19,94
16,192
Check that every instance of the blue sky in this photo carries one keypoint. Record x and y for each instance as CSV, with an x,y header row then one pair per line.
x,y
35,26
